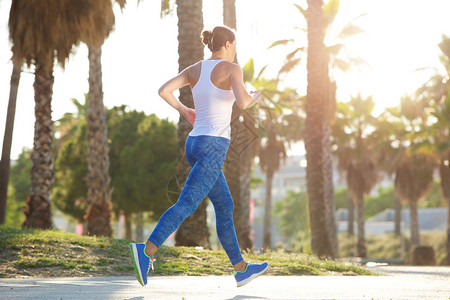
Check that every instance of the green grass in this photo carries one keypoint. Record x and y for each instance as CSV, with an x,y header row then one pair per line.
x,y
48,253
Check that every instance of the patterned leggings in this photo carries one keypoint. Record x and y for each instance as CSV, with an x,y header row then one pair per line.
x,y
206,155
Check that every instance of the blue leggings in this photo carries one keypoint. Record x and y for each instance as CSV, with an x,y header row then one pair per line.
x,y
206,155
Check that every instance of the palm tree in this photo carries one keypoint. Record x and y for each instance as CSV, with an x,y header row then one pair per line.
x,y
386,136
413,180
442,126
410,157
99,212
436,91
335,57
352,133
443,116
317,67
277,125
40,45
193,231
270,160
7,140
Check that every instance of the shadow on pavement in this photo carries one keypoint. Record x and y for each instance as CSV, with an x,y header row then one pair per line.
x,y
243,297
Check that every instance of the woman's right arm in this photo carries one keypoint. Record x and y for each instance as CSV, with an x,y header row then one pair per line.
x,y
243,99
166,92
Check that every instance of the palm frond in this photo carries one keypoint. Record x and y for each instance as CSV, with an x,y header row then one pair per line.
x,y
289,66
47,29
280,42
342,65
260,72
293,53
249,70
166,8
330,11
122,3
445,45
301,10
334,49
350,30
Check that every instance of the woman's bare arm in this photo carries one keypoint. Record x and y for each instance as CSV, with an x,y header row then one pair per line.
x,y
166,92
243,99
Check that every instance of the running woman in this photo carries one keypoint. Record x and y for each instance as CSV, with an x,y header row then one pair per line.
x,y
216,83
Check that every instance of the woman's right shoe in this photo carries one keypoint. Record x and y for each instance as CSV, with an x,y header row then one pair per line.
x,y
251,272
141,261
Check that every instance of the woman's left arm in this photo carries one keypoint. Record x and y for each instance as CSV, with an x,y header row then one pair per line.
x,y
166,92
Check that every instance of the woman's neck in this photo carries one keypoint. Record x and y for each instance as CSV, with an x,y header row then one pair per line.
x,y
215,57
221,54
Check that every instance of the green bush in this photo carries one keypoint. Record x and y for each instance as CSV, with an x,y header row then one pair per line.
x,y
438,241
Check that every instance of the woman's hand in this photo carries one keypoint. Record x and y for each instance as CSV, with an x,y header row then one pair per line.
x,y
189,114
256,95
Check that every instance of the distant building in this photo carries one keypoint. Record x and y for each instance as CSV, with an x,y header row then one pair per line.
x,y
430,219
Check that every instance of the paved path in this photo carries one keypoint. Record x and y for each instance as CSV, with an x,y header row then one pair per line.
x,y
402,283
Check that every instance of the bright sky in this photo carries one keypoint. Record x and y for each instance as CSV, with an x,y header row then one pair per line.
x,y
401,36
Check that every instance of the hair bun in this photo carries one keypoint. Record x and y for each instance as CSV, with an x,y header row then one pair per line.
x,y
217,38
207,37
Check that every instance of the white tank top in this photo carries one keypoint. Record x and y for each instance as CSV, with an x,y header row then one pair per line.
x,y
213,106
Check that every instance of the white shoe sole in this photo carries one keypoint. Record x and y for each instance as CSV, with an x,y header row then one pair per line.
x,y
136,263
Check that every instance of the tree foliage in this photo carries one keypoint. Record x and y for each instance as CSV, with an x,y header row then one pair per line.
x,y
143,159
70,189
19,187
293,214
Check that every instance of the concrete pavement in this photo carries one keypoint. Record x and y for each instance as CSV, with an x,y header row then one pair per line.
x,y
402,283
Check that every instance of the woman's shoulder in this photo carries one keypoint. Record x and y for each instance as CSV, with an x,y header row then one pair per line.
x,y
229,66
194,69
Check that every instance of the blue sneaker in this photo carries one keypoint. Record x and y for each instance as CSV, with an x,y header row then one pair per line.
x,y
141,262
251,272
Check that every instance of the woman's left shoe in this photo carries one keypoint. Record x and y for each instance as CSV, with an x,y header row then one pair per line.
x,y
251,272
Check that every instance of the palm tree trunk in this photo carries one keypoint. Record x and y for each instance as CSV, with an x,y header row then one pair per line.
x,y
139,226
330,218
37,211
398,216
99,212
267,236
242,214
351,216
248,154
7,141
193,231
232,170
128,227
415,239
448,233
361,245
317,73
444,172
229,13
238,173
